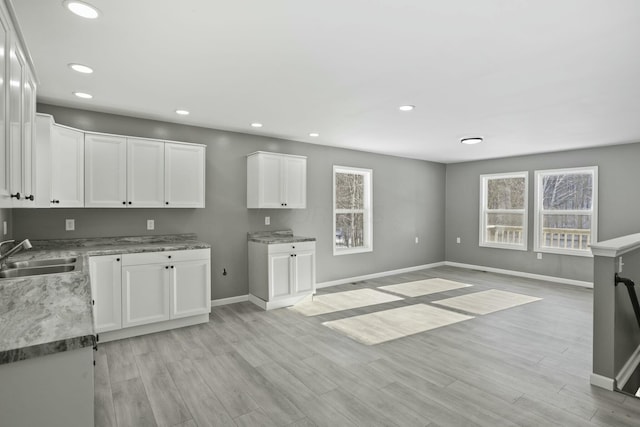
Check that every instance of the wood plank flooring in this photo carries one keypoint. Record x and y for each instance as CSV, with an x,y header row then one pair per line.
x,y
524,366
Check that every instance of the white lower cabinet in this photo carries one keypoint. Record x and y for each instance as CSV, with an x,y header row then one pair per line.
x,y
106,291
133,293
281,274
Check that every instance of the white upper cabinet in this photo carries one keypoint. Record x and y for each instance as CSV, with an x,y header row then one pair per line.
x,y
184,175
276,181
145,173
17,109
67,167
105,180
131,172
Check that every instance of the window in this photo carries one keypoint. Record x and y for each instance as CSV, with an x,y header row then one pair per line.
x,y
566,210
352,227
503,210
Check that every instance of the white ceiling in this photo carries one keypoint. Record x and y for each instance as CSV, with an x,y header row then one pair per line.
x,y
528,75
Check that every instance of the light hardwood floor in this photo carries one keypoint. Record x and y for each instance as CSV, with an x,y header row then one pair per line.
x,y
524,366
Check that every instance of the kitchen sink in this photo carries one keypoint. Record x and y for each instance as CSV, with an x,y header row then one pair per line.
x,y
41,262
36,271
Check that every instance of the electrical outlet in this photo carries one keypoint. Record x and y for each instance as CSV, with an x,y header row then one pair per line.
x,y
69,224
417,240
539,255
458,240
267,220
4,228
151,225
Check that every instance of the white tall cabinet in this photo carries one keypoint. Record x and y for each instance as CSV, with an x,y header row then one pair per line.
x,y
17,109
276,181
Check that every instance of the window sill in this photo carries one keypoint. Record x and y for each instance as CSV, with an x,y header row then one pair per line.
x,y
350,251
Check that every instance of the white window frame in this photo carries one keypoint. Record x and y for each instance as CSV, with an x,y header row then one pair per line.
x,y
367,211
539,175
484,211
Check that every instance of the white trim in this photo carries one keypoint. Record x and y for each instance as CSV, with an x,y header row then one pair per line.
x,y
150,328
628,368
377,275
602,382
278,303
521,274
367,210
482,241
538,211
616,247
230,300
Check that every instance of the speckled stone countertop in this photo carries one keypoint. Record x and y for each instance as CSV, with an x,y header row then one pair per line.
x,y
47,314
274,237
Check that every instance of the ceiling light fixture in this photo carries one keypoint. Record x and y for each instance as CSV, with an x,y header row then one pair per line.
x,y
182,112
406,107
472,140
81,68
82,9
83,95
256,125
314,134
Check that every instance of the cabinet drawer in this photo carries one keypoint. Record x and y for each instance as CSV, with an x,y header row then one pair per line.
x,y
291,247
165,256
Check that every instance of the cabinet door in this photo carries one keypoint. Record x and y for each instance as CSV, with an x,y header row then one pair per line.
x,y
67,167
184,175
145,294
106,278
304,272
16,67
279,275
105,160
5,159
145,173
190,288
270,192
294,178
29,146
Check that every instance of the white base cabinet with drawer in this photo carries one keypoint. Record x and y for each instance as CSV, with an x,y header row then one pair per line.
x,y
140,293
281,274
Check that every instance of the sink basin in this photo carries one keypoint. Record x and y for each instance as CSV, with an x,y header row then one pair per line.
x,y
36,271
41,262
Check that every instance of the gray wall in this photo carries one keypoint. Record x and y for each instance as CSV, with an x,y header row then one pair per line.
x,y
408,198
618,195
5,215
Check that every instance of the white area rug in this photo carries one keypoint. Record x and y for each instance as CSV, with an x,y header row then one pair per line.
x,y
387,325
486,301
424,287
329,303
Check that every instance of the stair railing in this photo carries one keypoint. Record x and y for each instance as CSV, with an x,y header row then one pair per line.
x,y
632,294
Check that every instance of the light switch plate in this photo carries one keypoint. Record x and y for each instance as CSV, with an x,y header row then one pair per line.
x,y
151,225
69,224
267,220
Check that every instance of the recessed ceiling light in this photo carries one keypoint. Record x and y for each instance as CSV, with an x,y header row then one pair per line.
x,y
314,134
406,107
81,68
182,112
83,95
471,141
82,9
256,125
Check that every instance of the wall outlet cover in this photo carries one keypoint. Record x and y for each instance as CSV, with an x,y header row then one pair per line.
x,y
539,255
458,240
69,224
267,220
4,228
151,225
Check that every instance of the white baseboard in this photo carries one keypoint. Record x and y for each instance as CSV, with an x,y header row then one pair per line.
x,y
628,368
602,382
278,303
522,274
376,275
230,300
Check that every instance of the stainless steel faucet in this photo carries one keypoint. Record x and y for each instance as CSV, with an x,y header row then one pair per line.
x,y
25,244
